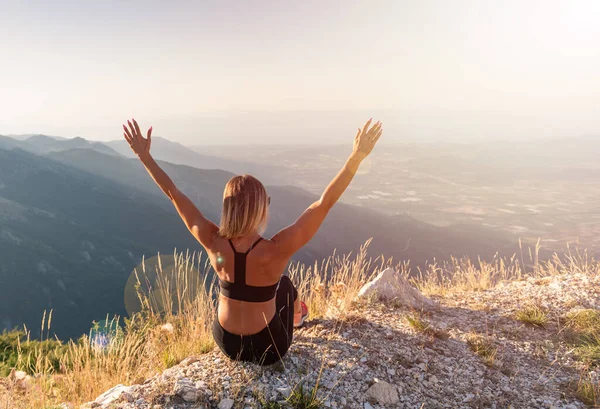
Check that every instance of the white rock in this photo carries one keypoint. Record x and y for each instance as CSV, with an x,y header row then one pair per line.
x,y
384,393
21,379
390,285
186,390
226,403
469,397
368,406
113,394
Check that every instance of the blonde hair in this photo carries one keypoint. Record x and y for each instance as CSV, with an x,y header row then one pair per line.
x,y
245,207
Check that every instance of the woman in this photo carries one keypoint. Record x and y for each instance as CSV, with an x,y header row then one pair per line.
x,y
258,306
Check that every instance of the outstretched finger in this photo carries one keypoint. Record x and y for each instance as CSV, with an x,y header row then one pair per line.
x,y
375,128
137,127
149,133
133,133
127,132
128,138
366,127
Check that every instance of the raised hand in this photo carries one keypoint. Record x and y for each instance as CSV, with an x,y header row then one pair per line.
x,y
139,145
366,138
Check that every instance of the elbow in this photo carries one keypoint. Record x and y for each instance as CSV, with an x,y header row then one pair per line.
x,y
324,204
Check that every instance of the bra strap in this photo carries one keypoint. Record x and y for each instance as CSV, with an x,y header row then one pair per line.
x,y
254,245
232,246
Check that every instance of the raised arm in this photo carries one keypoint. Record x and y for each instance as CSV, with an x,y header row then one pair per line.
x,y
292,238
201,228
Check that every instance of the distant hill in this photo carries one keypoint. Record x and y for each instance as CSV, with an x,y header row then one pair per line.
x,y
43,144
69,239
176,153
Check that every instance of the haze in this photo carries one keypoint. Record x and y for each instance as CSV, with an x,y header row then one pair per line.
x,y
288,72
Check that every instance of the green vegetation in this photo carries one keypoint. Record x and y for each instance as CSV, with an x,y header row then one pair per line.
x,y
31,356
533,315
484,347
303,399
420,324
588,392
585,334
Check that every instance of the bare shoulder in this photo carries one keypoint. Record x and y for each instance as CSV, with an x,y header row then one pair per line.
x,y
271,257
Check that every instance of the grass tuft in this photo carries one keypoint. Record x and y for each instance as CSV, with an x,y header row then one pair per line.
x,y
303,399
421,325
484,347
585,335
588,392
534,315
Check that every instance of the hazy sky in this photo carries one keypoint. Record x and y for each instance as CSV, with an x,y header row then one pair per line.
x,y
286,71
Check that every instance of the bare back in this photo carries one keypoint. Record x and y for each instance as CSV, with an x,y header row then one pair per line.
x,y
264,267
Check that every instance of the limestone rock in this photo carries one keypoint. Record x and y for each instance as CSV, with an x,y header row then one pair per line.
x,y
186,390
383,393
114,394
390,285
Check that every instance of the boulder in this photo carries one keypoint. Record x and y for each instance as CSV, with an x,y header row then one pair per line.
x,y
115,394
383,393
389,285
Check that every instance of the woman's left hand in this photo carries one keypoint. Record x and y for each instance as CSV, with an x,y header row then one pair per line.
x,y
139,145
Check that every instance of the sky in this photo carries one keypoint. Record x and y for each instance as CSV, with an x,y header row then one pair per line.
x,y
221,72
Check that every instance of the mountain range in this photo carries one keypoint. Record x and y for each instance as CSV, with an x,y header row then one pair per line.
x,y
76,217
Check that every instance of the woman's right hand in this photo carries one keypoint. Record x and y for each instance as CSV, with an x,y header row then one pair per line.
x,y
366,138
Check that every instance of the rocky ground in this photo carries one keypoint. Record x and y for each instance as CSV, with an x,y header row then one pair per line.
x,y
375,358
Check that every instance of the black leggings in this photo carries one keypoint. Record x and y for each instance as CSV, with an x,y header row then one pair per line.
x,y
269,345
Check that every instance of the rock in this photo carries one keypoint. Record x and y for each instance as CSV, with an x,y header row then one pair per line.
x,y
189,360
167,328
390,285
113,395
368,406
21,379
186,390
383,393
286,392
226,404
128,397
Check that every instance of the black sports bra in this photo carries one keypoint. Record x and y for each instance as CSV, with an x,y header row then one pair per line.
x,y
239,290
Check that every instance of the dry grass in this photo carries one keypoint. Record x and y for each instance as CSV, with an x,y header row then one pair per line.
x,y
176,308
174,318
146,346
462,274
